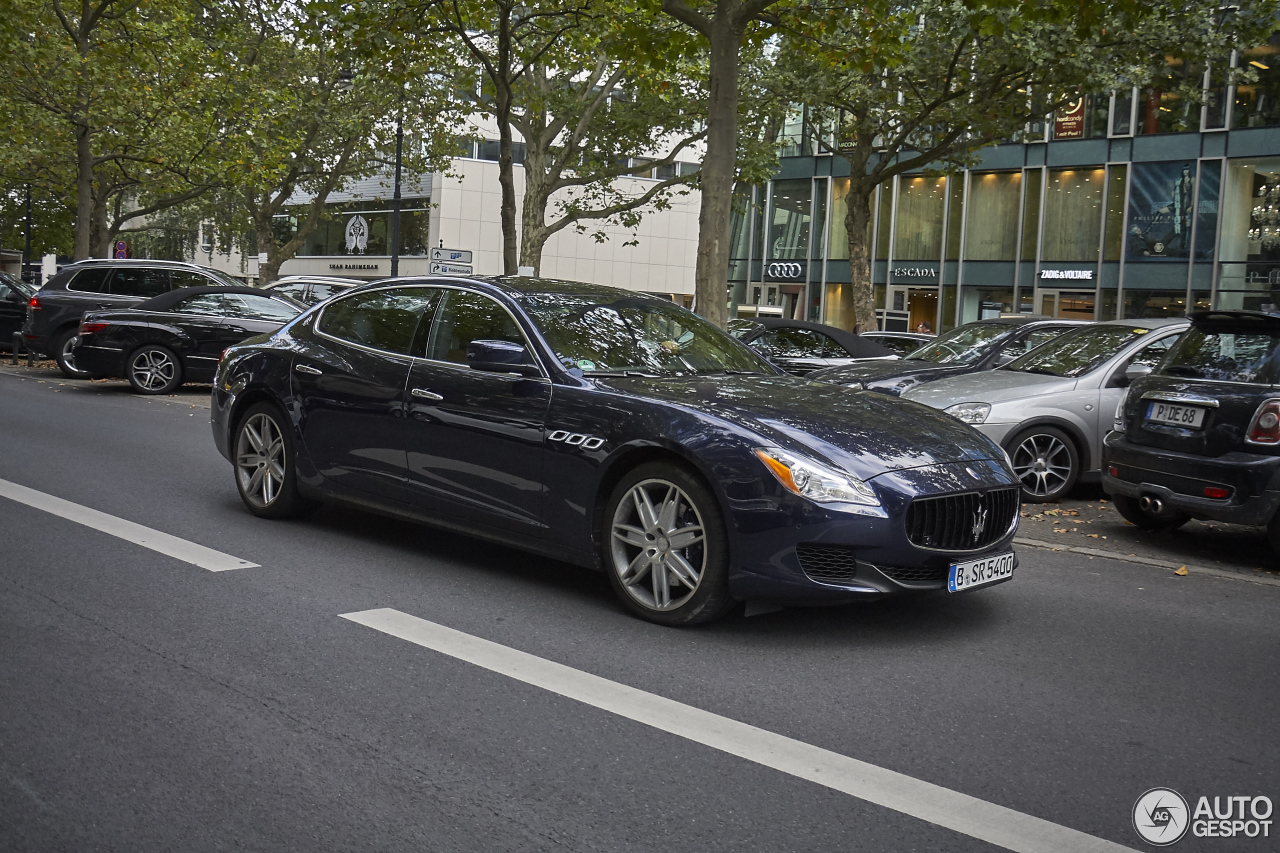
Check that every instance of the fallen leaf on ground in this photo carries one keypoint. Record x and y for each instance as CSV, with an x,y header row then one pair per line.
x,y
1182,571
1092,535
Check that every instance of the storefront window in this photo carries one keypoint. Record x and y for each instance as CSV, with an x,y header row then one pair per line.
x,y
1258,104
1083,118
1160,211
1072,215
1249,274
920,204
1122,113
1031,216
886,210
739,223
1162,109
993,235
789,228
839,250
1207,209
1115,212
819,217
985,303
364,232
955,216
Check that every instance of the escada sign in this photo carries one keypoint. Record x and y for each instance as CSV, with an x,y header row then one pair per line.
x,y
914,272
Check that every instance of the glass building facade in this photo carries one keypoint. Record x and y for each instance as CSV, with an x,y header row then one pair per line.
x,y
1129,204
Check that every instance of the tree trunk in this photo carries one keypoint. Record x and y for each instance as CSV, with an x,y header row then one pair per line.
x,y
84,193
268,270
534,232
712,272
856,222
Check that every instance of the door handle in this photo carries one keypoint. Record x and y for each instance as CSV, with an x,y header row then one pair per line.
x,y
307,369
424,394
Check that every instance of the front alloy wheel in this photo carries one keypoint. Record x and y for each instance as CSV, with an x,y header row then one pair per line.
x,y
665,546
1045,461
260,460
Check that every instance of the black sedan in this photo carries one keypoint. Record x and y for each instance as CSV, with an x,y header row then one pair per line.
x,y
617,431
800,347
178,336
970,348
14,296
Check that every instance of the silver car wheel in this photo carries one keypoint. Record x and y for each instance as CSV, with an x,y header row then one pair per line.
x,y
658,545
69,354
1043,464
152,369
260,460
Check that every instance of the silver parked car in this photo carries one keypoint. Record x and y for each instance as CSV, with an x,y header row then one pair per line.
x,y
1051,408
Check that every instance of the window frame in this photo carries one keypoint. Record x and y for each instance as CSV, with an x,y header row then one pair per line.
x,y
319,316
524,333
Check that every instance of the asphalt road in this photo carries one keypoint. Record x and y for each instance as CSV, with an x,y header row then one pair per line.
x,y
147,704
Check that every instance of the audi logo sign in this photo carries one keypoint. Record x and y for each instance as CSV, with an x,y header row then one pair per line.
x,y
784,270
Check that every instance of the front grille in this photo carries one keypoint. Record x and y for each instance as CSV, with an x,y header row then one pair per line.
x,y
915,575
962,522
827,564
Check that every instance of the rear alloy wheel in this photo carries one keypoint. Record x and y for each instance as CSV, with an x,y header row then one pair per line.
x,y
1046,462
666,551
1131,511
65,356
264,464
153,370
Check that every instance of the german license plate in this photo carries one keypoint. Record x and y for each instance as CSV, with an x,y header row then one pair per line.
x,y
977,573
1171,413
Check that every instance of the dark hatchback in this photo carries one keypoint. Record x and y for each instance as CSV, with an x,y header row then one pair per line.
x,y
1200,436
613,430
970,348
178,336
54,312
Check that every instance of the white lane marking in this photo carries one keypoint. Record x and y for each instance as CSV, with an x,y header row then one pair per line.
x,y
941,806
180,549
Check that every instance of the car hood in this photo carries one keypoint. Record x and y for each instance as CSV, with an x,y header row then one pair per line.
x,y
866,434
890,376
990,386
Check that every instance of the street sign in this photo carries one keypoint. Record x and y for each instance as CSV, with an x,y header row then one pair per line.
x,y
450,269
122,249
454,256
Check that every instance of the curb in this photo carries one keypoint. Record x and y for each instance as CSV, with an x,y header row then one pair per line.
x,y
1146,561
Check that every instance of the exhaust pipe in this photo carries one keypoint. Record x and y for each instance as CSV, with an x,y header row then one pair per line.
x,y
1155,506
1144,503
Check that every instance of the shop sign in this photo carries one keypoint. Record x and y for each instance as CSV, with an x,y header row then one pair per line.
x,y
1074,275
353,266
914,272
785,271
357,234
1068,122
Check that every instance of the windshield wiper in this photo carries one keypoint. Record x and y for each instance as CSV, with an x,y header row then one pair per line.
x,y
619,374
728,372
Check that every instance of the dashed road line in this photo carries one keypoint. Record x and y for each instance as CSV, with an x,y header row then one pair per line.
x,y
943,807
172,546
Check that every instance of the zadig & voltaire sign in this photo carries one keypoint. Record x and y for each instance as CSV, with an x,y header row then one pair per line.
x,y
1078,275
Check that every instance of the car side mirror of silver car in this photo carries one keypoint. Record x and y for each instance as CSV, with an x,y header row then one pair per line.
x,y
1006,357
1137,371
500,357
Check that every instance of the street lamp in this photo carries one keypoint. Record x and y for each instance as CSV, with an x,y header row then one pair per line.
x,y
395,195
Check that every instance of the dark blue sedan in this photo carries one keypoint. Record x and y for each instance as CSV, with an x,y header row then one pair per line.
x,y
617,431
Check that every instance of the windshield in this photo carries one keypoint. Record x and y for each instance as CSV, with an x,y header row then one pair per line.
x,y
964,345
1247,356
17,284
739,328
608,333
1078,352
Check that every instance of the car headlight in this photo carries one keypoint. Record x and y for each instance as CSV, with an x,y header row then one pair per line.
x,y
970,413
815,481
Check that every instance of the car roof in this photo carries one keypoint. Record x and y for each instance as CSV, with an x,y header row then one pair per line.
x,y
1148,322
139,262
165,301
314,279
1236,319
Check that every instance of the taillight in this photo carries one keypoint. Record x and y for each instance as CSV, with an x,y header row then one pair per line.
x,y
88,328
1216,492
34,304
223,354
1265,426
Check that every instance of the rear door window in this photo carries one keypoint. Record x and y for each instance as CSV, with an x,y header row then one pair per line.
x,y
1226,357
92,280
380,319
143,282
206,304
321,292
189,278
249,306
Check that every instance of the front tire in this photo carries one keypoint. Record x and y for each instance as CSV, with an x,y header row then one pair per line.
x,y
1133,513
1046,461
264,460
665,548
62,353
153,370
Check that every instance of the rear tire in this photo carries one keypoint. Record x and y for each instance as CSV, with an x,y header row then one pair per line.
x,y
1130,510
63,355
264,462
1046,462
153,370
664,546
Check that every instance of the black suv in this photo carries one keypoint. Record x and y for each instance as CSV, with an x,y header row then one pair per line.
x,y
981,345
1200,436
54,312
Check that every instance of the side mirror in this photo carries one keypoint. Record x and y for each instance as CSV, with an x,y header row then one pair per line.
x,y
1137,371
1006,357
500,357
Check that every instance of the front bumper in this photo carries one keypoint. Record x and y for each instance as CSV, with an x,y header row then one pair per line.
x,y
791,551
1179,480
